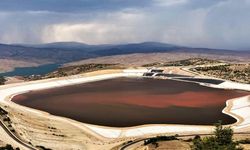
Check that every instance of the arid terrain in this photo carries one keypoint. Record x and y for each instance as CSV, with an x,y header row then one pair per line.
x,y
233,72
124,75
10,64
30,128
14,55
224,68
143,59
42,130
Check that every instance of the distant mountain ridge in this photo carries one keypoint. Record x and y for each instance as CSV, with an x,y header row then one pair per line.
x,y
83,46
62,52
57,45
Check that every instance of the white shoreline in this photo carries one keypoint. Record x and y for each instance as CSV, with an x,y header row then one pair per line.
x,y
240,106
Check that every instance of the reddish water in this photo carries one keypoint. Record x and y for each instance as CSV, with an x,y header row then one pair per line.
x,y
129,101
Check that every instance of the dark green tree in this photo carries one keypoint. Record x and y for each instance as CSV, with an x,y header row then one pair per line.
x,y
222,140
2,80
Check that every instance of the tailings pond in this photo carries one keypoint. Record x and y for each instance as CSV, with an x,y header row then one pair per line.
x,y
124,102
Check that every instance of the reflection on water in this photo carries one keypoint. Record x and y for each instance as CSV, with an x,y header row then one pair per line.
x,y
129,101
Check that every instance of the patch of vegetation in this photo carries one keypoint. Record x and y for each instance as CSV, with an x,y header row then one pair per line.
x,y
233,72
152,64
58,135
3,112
8,147
74,70
154,140
245,141
222,140
2,80
185,62
43,148
52,128
191,61
6,119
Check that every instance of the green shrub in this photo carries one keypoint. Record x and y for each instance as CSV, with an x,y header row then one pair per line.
x,y
222,140
153,140
7,147
2,80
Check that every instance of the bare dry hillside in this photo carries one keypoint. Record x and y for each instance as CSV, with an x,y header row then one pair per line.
x,y
142,59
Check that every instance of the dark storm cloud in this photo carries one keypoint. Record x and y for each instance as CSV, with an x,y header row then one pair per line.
x,y
69,5
197,23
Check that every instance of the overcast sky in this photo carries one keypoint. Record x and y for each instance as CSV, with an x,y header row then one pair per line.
x,y
196,23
